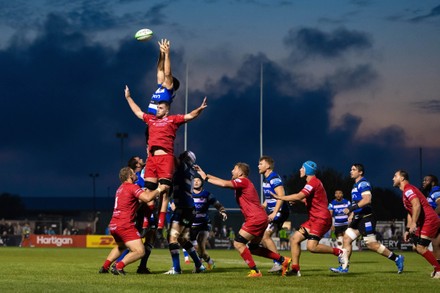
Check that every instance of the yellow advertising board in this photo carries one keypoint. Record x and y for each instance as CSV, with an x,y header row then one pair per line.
x,y
96,241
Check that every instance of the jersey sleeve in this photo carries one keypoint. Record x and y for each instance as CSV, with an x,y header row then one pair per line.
x,y
238,183
436,195
308,189
409,194
179,119
330,207
364,186
137,191
146,117
275,182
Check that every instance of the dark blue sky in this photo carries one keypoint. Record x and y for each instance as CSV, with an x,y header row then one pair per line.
x,y
339,87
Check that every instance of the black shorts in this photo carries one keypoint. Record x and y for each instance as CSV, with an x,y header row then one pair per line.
x,y
277,224
365,224
195,230
184,216
339,230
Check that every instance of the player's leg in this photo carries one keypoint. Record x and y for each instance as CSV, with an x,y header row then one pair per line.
x,y
339,233
173,242
202,239
137,251
165,173
240,244
187,245
150,238
423,243
367,228
112,256
269,244
295,249
314,232
193,233
436,246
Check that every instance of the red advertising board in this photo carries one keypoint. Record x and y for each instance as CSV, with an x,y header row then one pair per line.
x,y
58,240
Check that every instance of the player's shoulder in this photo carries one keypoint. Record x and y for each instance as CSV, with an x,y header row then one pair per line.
x,y
435,189
409,190
274,178
364,183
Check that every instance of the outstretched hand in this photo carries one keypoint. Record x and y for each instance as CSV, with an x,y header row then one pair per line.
x,y
204,103
200,171
127,92
164,46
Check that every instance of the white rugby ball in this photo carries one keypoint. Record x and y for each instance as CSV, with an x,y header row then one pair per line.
x,y
143,35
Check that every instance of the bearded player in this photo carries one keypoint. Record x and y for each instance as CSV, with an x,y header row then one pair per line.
x,y
248,240
423,223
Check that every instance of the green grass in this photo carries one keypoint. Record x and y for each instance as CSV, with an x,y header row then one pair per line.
x,y
75,270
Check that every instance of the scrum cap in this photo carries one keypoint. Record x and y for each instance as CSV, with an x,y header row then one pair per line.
x,y
310,167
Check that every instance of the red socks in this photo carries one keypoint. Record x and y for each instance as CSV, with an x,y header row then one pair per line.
x,y
431,259
161,220
120,265
106,264
247,257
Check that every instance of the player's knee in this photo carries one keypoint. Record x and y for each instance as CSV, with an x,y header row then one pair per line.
x,y
240,241
422,245
173,246
296,238
174,235
267,235
188,246
420,249
138,250
372,244
312,243
350,235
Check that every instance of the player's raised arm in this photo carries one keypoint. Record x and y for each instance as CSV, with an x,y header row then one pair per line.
x,y
213,179
133,106
165,48
196,112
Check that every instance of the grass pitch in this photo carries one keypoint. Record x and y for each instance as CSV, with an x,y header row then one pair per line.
x,y
76,270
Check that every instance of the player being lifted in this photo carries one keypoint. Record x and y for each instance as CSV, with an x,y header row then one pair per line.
x,y
162,133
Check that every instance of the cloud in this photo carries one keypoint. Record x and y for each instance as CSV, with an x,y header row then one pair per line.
x,y
430,106
353,78
313,42
63,102
435,12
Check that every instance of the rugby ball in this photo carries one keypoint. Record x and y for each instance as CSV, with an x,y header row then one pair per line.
x,y
143,35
